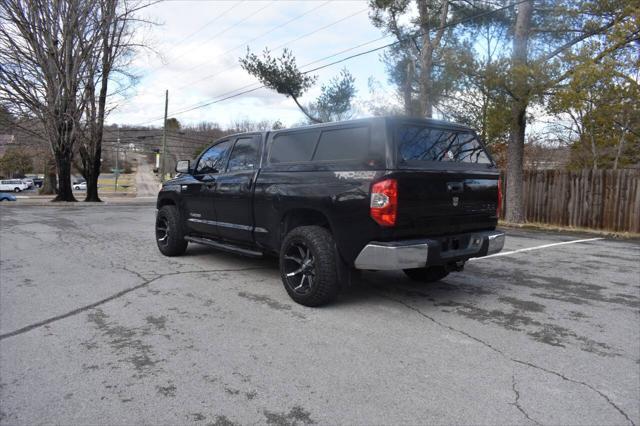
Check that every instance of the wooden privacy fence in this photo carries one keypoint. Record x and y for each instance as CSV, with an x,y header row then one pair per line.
x,y
598,199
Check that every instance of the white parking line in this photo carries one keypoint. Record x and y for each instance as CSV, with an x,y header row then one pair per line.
x,y
506,253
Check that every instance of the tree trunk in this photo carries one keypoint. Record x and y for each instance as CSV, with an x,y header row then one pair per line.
x,y
515,159
426,83
108,52
619,150
305,112
93,172
49,183
63,164
407,89
429,46
520,101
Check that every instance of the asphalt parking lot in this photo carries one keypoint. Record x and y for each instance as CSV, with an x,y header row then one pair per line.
x,y
96,327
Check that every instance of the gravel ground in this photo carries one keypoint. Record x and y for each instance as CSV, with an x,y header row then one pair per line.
x,y
96,327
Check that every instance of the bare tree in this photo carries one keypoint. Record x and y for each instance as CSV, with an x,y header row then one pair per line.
x,y
57,59
112,28
44,68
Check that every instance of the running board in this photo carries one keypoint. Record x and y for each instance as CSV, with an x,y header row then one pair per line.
x,y
224,246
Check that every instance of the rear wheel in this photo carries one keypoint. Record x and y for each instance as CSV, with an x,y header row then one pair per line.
x,y
428,274
169,234
308,266
16,189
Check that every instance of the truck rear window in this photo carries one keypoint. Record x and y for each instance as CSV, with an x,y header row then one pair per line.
x,y
419,143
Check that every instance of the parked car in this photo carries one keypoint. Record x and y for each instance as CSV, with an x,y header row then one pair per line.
x,y
29,182
373,194
82,186
38,182
5,196
15,185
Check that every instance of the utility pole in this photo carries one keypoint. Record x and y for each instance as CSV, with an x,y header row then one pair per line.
x,y
117,171
164,137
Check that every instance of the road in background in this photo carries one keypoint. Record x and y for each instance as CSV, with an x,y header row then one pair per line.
x,y
147,183
96,326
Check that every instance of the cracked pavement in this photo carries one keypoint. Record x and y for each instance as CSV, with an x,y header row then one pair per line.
x,y
97,327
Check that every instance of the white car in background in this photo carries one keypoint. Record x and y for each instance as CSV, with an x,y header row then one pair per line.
x,y
80,186
15,185
29,183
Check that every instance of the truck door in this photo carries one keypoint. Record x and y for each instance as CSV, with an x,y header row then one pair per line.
x,y
198,193
233,196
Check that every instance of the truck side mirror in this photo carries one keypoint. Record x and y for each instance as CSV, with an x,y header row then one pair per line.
x,y
183,166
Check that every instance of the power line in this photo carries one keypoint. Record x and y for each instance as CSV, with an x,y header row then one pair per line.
x,y
277,27
276,48
212,21
281,46
230,27
366,52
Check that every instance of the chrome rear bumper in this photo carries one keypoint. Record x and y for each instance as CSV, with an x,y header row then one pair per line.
x,y
407,254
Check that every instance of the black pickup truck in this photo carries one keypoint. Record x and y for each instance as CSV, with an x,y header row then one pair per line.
x,y
375,194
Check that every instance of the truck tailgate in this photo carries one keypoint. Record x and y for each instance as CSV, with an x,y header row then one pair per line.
x,y
442,203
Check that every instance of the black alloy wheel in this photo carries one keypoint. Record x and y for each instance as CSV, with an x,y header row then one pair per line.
x,y
308,265
162,231
299,268
169,234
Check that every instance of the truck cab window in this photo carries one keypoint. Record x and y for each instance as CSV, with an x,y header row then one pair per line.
x,y
212,161
244,155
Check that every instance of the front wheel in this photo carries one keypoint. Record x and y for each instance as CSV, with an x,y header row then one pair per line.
x,y
16,189
427,275
169,234
308,266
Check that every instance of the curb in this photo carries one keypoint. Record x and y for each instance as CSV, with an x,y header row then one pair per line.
x,y
105,202
569,230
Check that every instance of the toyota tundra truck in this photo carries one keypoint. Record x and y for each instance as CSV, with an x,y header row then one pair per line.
x,y
382,193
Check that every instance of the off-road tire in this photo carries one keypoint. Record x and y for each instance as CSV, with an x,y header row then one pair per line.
x,y
174,244
427,275
325,285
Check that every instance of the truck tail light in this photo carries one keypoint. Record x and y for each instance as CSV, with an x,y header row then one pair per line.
x,y
499,205
384,202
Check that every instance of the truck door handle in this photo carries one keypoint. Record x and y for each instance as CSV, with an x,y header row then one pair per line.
x,y
454,187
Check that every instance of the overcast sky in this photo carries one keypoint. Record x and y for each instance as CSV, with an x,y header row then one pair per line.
x,y
200,43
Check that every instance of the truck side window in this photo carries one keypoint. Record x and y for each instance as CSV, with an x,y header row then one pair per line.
x,y
244,155
212,161
343,144
293,147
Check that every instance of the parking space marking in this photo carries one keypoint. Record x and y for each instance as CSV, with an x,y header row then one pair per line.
x,y
506,253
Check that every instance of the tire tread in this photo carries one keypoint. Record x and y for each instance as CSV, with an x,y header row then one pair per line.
x,y
177,245
322,244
